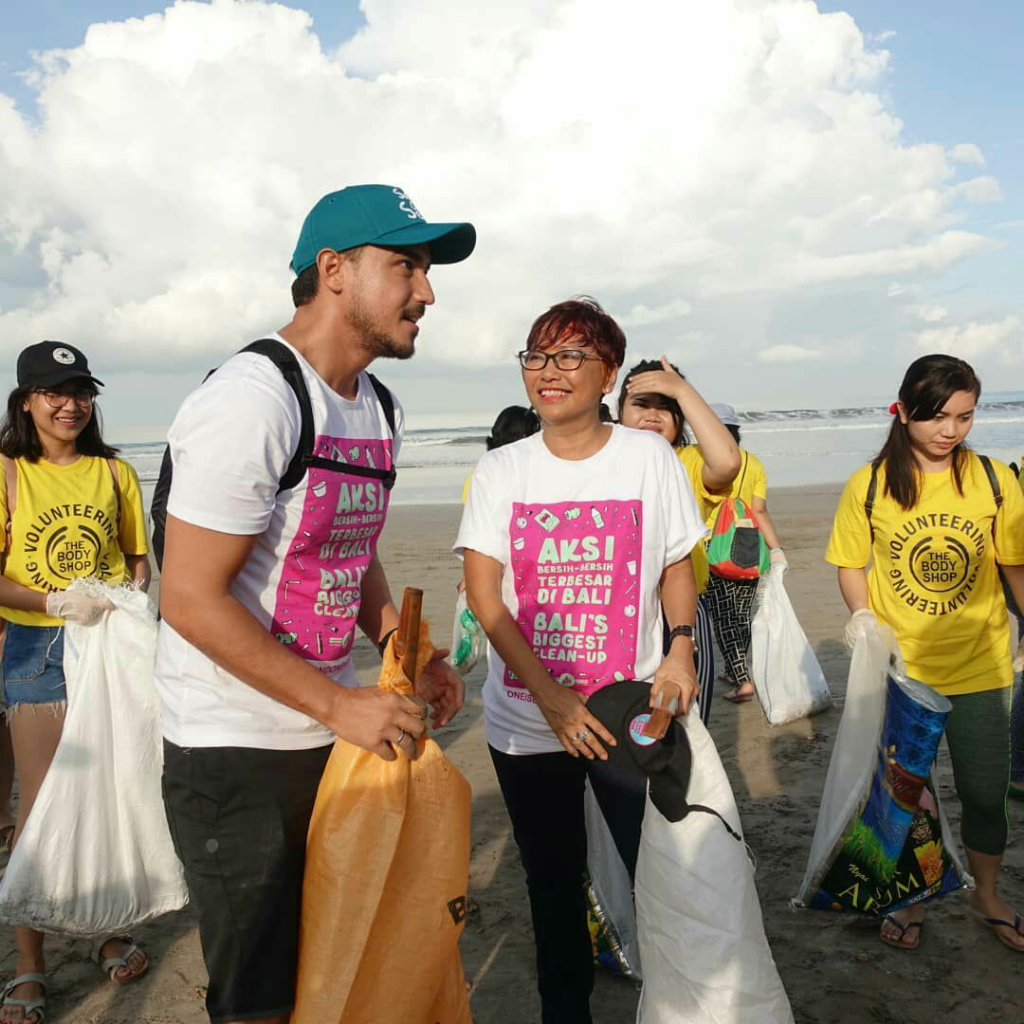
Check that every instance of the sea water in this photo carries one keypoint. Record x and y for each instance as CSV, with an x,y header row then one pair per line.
x,y
797,446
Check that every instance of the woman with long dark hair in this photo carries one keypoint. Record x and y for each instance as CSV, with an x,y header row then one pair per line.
x,y
937,522
69,508
656,396
573,540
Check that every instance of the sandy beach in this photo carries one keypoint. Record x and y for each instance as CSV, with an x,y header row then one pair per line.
x,y
833,966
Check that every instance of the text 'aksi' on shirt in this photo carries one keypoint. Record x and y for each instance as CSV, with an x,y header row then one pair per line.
x,y
231,443
583,545
933,577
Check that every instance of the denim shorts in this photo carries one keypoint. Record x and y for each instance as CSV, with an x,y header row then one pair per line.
x,y
32,668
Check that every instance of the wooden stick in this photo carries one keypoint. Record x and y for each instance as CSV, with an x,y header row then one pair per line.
x,y
407,639
657,725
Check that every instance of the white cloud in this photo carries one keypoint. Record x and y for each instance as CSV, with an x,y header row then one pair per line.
x,y
967,153
642,316
929,313
980,190
788,354
159,197
884,36
974,339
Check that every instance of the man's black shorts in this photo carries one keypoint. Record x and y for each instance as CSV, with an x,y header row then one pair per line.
x,y
238,817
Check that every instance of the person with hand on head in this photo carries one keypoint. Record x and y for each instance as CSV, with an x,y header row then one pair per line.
x,y
263,585
69,509
573,540
937,522
655,396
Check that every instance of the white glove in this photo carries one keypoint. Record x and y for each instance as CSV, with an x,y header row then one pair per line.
x,y
860,622
76,606
778,558
1018,658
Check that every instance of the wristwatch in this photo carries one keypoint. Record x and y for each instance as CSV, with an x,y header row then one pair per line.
x,y
687,631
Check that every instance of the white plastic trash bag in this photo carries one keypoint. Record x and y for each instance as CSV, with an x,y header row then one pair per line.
x,y
786,675
96,855
876,847
469,644
610,915
705,956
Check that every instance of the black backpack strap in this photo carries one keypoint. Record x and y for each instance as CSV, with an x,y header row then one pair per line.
x,y
993,480
387,402
284,359
869,498
386,476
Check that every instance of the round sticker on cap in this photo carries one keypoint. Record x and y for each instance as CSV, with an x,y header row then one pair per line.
x,y
636,731
63,355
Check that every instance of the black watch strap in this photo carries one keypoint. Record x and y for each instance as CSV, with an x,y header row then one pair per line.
x,y
687,631
382,644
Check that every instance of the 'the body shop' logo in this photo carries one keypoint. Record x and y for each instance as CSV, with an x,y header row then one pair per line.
x,y
939,564
936,559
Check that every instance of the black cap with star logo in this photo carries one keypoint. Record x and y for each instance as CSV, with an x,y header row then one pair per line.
x,y
51,363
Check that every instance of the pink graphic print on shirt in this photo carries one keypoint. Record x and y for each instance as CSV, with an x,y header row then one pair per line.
x,y
576,567
319,593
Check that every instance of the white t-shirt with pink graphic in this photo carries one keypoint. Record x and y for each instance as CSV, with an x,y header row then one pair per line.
x,y
583,545
231,444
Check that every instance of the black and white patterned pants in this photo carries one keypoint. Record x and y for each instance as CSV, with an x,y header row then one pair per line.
x,y
730,603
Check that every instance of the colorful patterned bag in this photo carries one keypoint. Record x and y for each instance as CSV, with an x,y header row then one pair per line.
x,y
737,549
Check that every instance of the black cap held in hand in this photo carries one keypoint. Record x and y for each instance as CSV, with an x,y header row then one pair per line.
x,y
623,709
51,363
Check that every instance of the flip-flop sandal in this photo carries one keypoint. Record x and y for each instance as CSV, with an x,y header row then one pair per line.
x,y
898,942
995,923
1016,791
110,965
737,698
28,1006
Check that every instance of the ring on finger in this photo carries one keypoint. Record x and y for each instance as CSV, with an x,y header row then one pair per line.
x,y
401,736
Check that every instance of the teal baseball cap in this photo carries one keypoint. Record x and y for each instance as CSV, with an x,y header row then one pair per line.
x,y
376,215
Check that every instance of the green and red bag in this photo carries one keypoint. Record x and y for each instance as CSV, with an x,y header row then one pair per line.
x,y
737,549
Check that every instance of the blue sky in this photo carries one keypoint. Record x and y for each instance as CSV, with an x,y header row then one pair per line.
x,y
952,78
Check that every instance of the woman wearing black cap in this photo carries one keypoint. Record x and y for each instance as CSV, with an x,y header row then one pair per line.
x,y
68,509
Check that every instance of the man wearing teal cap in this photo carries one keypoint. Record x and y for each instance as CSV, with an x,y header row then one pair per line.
x,y
283,462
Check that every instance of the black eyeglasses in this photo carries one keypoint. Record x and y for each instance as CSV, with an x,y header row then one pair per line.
x,y
58,399
564,359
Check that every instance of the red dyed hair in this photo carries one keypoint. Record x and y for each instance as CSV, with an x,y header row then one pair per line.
x,y
582,319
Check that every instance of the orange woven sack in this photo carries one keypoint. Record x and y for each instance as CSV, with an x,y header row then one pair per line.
x,y
384,896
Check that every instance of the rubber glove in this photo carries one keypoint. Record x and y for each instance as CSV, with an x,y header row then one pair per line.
x,y
778,558
860,622
1018,658
76,606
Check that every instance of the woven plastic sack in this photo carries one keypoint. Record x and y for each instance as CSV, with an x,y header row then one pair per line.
x,y
882,840
705,956
96,856
786,674
384,896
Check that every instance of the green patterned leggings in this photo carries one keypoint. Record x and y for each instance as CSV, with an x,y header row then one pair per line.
x,y
978,734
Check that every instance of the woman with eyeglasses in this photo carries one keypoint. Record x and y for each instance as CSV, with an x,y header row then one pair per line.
x,y
572,541
69,508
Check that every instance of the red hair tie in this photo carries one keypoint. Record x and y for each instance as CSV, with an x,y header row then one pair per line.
x,y
894,408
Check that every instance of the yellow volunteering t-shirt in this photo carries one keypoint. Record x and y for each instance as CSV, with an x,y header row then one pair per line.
x,y
933,578
750,482
65,526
